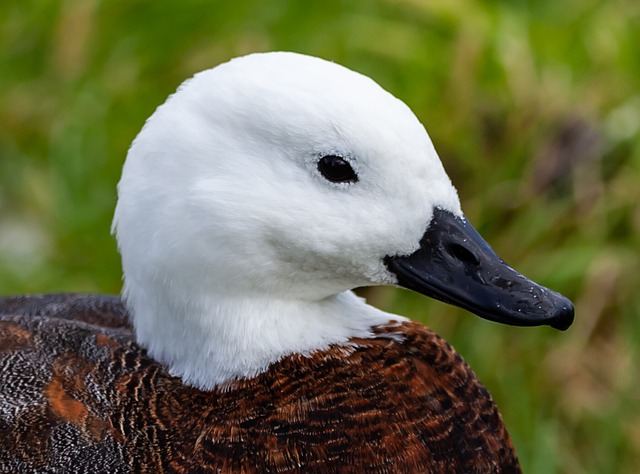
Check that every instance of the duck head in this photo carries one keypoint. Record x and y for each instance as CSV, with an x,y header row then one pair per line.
x,y
268,187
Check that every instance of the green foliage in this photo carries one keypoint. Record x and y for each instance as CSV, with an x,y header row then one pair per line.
x,y
533,106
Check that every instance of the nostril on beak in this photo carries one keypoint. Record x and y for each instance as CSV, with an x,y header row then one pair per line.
x,y
463,254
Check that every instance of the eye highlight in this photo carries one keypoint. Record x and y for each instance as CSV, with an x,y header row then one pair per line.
x,y
336,169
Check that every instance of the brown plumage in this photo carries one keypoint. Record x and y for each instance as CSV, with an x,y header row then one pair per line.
x,y
77,394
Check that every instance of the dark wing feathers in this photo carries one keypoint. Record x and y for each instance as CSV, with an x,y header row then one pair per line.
x,y
78,395
101,310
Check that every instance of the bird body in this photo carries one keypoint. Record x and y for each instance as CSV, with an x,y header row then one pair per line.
x,y
87,398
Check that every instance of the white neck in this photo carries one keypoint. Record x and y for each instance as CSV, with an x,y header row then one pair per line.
x,y
222,339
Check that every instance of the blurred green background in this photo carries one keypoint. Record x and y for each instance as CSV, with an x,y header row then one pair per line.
x,y
534,107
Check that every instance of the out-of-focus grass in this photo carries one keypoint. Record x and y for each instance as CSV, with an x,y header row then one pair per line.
x,y
533,106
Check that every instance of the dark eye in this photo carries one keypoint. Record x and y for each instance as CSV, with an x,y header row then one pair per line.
x,y
337,169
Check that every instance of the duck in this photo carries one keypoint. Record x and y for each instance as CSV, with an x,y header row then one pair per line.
x,y
251,204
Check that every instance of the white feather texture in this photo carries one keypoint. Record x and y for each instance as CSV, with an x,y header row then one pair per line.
x,y
236,251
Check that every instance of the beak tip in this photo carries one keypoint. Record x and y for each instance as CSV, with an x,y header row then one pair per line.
x,y
563,319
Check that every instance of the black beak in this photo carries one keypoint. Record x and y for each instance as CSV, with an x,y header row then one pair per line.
x,y
454,264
